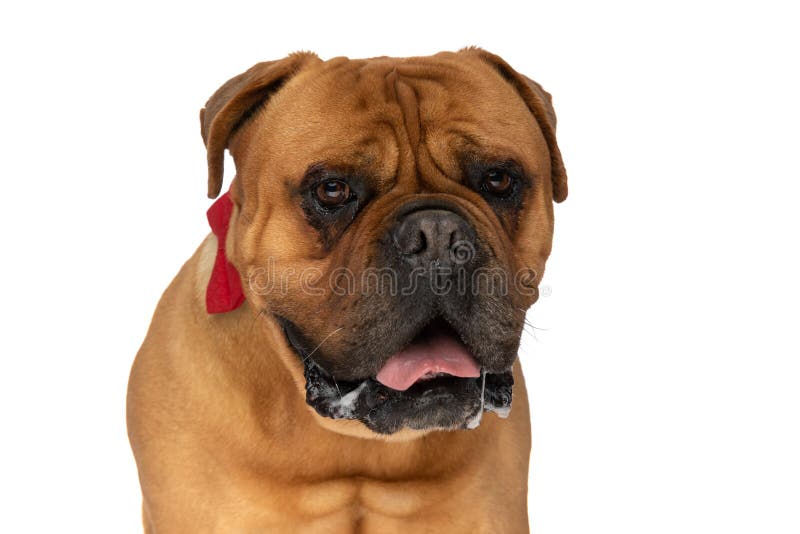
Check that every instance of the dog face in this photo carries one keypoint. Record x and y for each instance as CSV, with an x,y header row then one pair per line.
x,y
394,217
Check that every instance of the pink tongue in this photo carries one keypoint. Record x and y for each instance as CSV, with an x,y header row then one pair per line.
x,y
436,354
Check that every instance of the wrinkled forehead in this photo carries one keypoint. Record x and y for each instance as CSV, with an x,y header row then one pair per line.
x,y
377,112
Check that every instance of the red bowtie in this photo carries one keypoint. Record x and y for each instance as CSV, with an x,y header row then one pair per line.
x,y
224,292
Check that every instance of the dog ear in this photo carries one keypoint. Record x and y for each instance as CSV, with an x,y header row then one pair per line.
x,y
236,101
540,103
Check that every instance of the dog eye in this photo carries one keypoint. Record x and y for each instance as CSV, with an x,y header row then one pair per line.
x,y
332,193
497,182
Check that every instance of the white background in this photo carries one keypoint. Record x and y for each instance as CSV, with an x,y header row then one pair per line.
x,y
664,382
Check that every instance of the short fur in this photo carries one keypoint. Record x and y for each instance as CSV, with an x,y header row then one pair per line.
x,y
223,437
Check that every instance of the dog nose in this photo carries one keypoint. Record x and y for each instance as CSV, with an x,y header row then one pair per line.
x,y
434,236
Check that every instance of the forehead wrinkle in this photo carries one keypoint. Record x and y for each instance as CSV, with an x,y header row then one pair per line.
x,y
410,83
409,107
401,99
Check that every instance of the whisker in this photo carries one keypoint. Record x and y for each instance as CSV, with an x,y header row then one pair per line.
x,y
339,391
532,328
527,322
318,346
533,334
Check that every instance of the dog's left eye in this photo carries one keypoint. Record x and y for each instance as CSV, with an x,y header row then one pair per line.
x,y
333,193
497,182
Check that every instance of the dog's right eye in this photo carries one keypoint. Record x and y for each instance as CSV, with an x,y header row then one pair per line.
x,y
331,198
333,193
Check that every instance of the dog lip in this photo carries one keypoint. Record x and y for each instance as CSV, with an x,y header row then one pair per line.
x,y
445,403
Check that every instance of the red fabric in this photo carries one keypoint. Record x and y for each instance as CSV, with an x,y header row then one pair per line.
x,y
224,292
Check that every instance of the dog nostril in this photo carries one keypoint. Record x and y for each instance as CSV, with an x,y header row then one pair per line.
x,y
419,244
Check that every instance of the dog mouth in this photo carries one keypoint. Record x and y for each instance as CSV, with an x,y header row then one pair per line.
x,y
433,383
435,352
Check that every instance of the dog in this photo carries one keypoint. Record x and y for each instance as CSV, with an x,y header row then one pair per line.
x,y
340,353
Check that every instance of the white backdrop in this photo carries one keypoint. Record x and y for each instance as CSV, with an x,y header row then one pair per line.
x,y
664,381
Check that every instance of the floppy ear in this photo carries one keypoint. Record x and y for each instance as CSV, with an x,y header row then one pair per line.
x,y
236,101
541,105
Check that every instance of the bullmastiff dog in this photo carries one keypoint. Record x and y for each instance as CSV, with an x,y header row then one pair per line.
x,y
340,353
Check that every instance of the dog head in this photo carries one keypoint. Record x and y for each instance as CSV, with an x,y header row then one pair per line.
x,y
393,217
